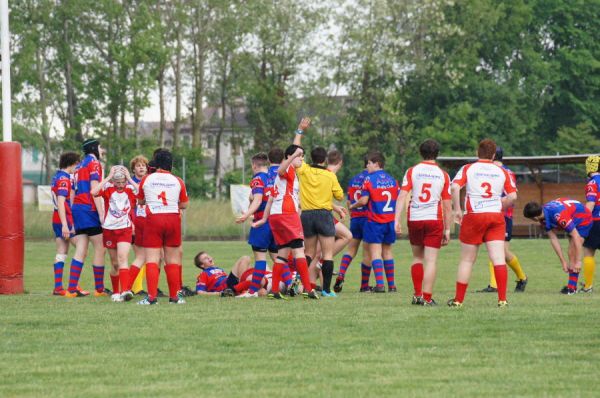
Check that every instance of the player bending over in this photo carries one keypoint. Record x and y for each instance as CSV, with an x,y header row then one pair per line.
x,y
567,215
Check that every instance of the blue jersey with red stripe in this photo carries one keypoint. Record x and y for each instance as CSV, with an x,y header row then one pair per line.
x,y
259,187
566,214
271,175
61,186
382,190
87,171
212,279
592,194
354,194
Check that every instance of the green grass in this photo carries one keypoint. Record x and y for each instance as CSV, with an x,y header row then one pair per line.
x,y
545,344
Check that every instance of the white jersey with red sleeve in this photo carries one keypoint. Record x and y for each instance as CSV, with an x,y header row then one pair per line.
x,y
162,192
285,193
429,185
120,207
485,183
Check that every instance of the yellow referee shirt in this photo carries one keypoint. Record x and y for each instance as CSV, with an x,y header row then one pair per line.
x,y
318,187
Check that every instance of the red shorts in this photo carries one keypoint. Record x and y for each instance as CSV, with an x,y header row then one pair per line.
x,y
110,237
426,233
286,228
162,230
139,224
477,228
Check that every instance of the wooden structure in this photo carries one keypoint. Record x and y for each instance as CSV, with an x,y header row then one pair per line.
x,y
538,190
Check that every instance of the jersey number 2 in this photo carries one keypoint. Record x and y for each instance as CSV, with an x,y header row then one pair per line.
x,y
387,206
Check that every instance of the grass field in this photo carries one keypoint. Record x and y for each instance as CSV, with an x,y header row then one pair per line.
x,y
544,344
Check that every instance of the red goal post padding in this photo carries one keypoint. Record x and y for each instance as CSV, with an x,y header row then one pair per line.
x,y
12,235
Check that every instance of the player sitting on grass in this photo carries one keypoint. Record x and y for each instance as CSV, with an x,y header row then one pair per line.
x,y
62,218
379,192
119,202
215,281
483,221
429,218
567,215
592,242
358,218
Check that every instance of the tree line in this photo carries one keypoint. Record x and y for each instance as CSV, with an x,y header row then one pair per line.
x,y
524,72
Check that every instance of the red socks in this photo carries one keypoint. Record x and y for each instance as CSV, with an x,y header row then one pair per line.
x,y
416,271
114,280
173,275
461,290
124,279
242,286
302,267
277,271
152,274
501,274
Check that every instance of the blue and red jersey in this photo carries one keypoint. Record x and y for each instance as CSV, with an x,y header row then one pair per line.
x,y
259,186
87,171
566,214
382,190
61,186
508,212
212,279
592,194
354,194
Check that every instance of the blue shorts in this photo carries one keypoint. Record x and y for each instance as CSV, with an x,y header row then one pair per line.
x,y
509,228
261,238
357,225
58,230
84,217
593,239
375,232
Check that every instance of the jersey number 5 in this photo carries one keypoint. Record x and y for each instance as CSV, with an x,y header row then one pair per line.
x,y
425,192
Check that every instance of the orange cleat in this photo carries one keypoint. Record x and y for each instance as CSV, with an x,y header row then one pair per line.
x,y
59,292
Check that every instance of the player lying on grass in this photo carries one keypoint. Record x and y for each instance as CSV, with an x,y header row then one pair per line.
x,y
214,280
118,191
62,218
567,215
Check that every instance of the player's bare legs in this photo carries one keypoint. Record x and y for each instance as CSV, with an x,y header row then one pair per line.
x,y
343,236
241,265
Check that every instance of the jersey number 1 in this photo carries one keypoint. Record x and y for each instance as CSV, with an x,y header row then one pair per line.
x,y
163,196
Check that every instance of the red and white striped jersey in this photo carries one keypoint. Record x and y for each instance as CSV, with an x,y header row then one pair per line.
x,y
429,185
485,183
162,192
285,193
